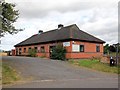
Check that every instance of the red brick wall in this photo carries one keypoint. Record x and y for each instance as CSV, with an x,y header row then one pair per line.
x,y
13,52
89,52
39,53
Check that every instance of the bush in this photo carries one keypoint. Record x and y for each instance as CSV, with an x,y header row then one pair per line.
x,y
58,53
32,53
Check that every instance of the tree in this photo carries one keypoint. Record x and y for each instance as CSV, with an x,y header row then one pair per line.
x,y
58,53
106,49
32,52
8,16
112,48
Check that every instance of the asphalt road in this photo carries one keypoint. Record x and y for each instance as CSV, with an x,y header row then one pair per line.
x,y
45,73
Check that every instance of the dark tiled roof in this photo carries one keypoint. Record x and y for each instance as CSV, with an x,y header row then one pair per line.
x,y
71,32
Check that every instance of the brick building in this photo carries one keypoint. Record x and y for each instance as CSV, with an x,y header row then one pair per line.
x,y
78,43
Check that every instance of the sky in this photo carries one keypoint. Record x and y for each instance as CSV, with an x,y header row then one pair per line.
x,y
96,17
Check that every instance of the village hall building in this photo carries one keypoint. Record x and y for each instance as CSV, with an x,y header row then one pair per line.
x,y
78,43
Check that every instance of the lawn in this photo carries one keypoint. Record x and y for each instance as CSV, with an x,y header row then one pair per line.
x,y
95,65
9,75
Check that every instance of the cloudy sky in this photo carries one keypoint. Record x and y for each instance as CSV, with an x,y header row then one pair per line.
x,y
97,17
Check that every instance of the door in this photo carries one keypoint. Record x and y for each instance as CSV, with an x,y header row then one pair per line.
x,y
51,50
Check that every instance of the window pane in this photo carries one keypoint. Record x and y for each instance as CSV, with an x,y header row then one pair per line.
x,y
81,48
24,49
19,48
20,51
35,48
42,49
97,48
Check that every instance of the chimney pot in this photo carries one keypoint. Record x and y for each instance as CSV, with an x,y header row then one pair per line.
x,y
40,31
60,26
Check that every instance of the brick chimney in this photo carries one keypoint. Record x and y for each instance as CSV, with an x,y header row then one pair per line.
x,y
60,26
40,31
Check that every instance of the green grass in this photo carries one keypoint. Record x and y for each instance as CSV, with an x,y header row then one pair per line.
x,y
96,65
9,75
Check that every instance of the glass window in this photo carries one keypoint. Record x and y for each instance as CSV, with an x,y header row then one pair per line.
x,y
42,49
36,48
29,48
97,48
20,50
24,50
81,48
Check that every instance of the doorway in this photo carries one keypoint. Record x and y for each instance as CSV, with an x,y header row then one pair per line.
x,y
51,50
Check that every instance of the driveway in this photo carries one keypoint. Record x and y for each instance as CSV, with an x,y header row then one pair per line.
x,y
46,73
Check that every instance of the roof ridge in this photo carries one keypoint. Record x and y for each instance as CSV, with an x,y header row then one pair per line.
x,y
57,28
48,31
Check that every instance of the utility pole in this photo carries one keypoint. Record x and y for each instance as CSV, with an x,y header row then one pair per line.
x,y
117,51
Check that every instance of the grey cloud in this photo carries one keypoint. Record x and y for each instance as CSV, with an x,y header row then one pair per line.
x,y
41,9
96,18
107,33
105,30
110,38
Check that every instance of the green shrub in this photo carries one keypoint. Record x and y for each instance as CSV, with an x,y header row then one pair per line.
x,y
32,52
58,53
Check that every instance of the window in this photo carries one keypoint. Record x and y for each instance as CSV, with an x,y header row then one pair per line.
x,y
35,48
16,51
20,51
51,48
78,48
81,48
29,48
42,49
97,48
24,50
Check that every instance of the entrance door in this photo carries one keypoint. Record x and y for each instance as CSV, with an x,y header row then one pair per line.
x,y
51,49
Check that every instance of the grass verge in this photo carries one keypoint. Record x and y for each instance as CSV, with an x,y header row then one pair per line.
x,y
9,75
96,65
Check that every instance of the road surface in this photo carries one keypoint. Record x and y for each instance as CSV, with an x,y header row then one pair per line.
x,y
46,73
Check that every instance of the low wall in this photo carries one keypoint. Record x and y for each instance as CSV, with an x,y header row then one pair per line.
x,y
106,59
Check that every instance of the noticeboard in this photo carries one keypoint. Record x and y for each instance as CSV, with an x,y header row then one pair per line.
x,y
75,48
66,43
